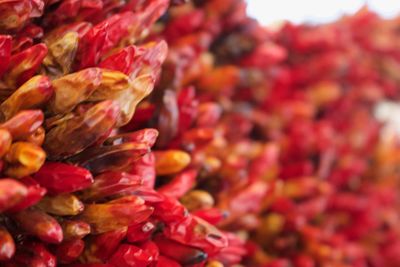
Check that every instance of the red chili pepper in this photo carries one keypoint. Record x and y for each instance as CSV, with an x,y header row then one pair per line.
x,y
74,229
116,214
140,232
5,52
40,224
34,195
24,123
145,168
22,12
12,192
184,25
111,183
180,184
212,215
102,246
195,232
130,255
72,8
7,247
125,61
186,255
69,251
164,261
63,178
25,64
34,254
170,210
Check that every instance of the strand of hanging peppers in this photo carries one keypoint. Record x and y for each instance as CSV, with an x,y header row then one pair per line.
x,y
150,133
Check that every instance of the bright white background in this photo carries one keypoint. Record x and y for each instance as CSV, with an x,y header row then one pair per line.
x,y
271,11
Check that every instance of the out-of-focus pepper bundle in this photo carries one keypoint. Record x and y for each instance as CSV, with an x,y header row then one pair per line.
x,y
182,133
79,174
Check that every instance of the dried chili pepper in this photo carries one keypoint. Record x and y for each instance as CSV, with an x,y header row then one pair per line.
x,y
69,251
63,178
102,246
32,94
116,214
24,65
74,229
34,194
67,130
39,224
7,246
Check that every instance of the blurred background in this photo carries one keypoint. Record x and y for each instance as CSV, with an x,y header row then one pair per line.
x,y
315,11
272,13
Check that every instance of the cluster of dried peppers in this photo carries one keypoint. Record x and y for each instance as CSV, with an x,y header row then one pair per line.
x,y
162,133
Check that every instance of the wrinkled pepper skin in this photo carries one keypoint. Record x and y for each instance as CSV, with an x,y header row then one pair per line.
x,y
24,64
24,123
5,52
15,14
61,205
89,127
111,183
130,255
24,158
116,214
32,94
72,89
101,247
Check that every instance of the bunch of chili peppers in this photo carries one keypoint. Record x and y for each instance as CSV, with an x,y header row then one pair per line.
x,y
182,133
